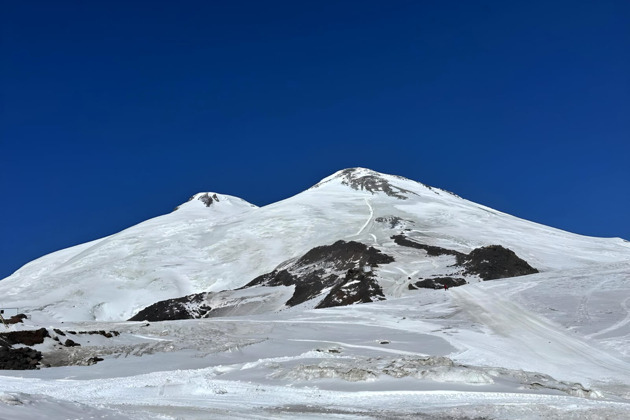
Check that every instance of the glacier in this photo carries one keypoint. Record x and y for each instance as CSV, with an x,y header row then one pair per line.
x,y
550,344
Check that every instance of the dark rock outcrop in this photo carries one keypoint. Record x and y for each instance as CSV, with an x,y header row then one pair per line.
x,y
357,287
23,358
25,337
187,307
322,268
106,334
208,199
15,319
495,262
344,267
489,262
93,360
437,283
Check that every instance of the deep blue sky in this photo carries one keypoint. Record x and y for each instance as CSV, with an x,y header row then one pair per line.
x,y
113,112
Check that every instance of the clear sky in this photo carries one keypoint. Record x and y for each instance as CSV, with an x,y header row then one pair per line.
x,y
113,112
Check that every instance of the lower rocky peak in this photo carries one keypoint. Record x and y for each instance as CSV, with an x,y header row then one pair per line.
x,y
495,262
343,269
358,286
325,267
487,263
187,307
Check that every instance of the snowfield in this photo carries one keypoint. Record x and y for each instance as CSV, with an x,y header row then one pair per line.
x,y
551,345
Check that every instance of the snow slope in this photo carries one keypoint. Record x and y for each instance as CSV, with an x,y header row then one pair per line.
x,y
226,244
485,350
551,345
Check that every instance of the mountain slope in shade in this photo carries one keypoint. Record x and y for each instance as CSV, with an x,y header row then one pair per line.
x,y
216,243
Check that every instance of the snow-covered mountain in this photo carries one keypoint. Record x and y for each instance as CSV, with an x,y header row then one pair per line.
x,y
217,242
323,305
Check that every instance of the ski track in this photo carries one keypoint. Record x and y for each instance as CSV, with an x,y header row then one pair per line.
x,y
583,314
542,342
617,325
369,219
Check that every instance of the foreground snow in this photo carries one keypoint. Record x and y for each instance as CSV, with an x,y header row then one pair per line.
x,y
500,350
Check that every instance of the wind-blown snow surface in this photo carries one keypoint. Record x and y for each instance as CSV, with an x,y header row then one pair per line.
x,y
547,345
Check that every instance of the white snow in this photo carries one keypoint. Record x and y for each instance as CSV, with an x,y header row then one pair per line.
x,y
552,345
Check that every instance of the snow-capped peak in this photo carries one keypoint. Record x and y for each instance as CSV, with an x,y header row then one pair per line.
x,y
363,179
214,200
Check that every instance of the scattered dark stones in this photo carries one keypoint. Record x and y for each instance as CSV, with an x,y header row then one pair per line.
x,y
372,182
394,221
108,334
334,350
23,358
437,283
93,360
495,262
187,307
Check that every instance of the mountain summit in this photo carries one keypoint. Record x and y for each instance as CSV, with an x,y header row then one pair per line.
x,y
223,250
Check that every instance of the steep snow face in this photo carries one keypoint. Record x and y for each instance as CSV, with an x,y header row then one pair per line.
x,y
217,242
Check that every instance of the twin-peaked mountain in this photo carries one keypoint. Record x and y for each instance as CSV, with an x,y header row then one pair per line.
x,y
355,237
